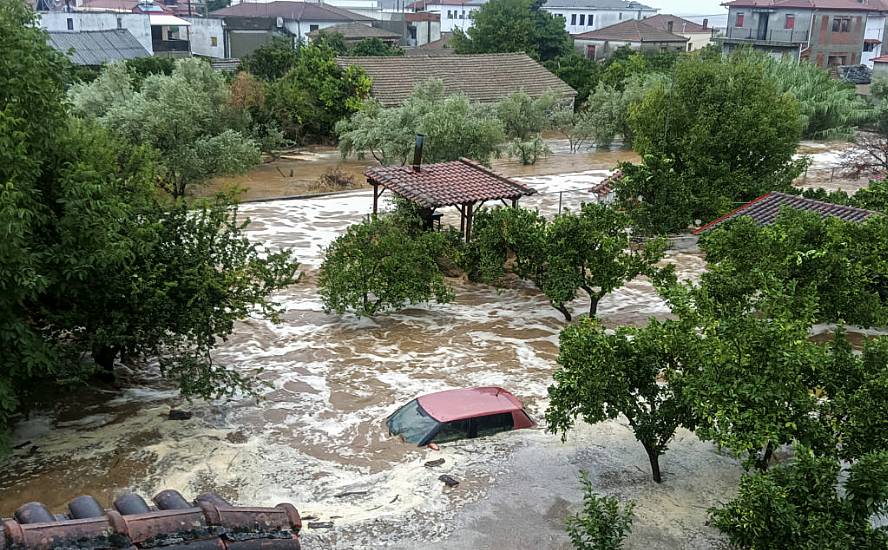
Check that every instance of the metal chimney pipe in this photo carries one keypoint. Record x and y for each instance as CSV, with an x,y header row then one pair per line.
x,y
417,152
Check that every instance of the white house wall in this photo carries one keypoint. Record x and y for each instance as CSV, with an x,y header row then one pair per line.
x,y
136,23
203,32
875,30
697,40
600,18
454,16
301,29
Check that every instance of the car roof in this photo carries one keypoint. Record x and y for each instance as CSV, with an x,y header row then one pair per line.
x,y
450,405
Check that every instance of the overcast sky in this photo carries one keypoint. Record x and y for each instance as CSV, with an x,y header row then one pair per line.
x,y
688,7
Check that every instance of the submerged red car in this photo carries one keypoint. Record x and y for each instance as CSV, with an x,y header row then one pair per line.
x,y
458,414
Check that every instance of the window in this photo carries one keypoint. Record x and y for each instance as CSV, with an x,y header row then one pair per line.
x,y
869,47
590,51
590,19
70,24
689,46
312,28
449,14
452,431
740,19
119,22
462,14
620,16
790,22
582,19
214,41
841,24
573,19
495,423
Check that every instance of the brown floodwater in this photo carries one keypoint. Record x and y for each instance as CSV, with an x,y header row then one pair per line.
x,y
319,431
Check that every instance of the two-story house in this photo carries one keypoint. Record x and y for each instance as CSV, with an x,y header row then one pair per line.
x,y
579,15
824,32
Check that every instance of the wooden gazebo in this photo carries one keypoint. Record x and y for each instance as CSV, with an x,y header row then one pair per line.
x,y
463,184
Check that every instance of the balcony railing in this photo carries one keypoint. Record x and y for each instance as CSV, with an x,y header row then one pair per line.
x,y
170,45
786,36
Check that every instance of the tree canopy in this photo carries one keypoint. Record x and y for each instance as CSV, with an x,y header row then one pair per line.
x,y
502,26
454,127
95,263
718,132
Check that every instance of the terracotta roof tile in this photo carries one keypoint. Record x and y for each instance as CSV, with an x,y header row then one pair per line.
x,y
447,183
297,11
679,25
765,209
483,78
632,30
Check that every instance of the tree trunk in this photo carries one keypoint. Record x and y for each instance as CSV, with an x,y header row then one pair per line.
x,y
763,460
593,307
564,311
654,458
104,357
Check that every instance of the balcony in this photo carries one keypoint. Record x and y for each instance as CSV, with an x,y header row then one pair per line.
x,y
170,46
777,37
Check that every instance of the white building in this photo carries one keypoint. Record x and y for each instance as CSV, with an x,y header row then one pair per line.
x,y
138,24
207,36
873,36
579,15
588,15
699,36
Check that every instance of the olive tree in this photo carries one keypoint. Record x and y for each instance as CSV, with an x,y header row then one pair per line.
x,y
633,372
454,127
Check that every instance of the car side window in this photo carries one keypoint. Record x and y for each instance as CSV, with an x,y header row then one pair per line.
x,y
452,431
494,423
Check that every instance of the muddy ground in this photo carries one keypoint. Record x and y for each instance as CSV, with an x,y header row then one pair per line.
x,y
318,433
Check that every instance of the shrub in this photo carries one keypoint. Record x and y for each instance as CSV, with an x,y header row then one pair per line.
x,y
602,524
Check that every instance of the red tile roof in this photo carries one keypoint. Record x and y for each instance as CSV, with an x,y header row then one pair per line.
x,y
447,183
850,5
297,11
679,25
881,59
765,209
422,16
632,30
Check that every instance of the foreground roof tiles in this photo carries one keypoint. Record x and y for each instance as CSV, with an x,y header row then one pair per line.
x,y
447,183
296,11
95,48
483,78
632,30
765,209
679,25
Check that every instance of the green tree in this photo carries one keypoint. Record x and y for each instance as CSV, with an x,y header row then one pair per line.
x,y
588,250
378,265
602,376
332,40
840,266
796,505
701,119
142,67
502,26
94,262
186,117
376,47
271,60
312,97
454,127
602,524
580,73
524,118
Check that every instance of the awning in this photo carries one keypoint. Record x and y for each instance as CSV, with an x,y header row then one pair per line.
x,y
167,21
872,41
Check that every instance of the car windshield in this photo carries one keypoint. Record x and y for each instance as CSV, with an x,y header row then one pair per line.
x,y
412,423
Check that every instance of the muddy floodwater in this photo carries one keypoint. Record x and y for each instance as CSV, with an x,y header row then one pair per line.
x,y
317,437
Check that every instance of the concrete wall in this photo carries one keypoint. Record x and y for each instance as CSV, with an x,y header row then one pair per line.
x,y
837,48
301,29
426,31
239,43
605,48
136,23
577,20
875,30
697,40
207,36
775,30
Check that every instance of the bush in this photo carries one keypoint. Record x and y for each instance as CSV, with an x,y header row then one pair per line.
x,y
335,179
602,524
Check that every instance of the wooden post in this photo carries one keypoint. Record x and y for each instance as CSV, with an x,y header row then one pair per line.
x,y
375,199
469,215
514,203
462,219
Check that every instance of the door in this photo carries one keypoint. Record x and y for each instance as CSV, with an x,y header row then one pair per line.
x,y
590,51
762,32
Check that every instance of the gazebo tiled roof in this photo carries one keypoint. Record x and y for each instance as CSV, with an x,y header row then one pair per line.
x,y
447,183
765,209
